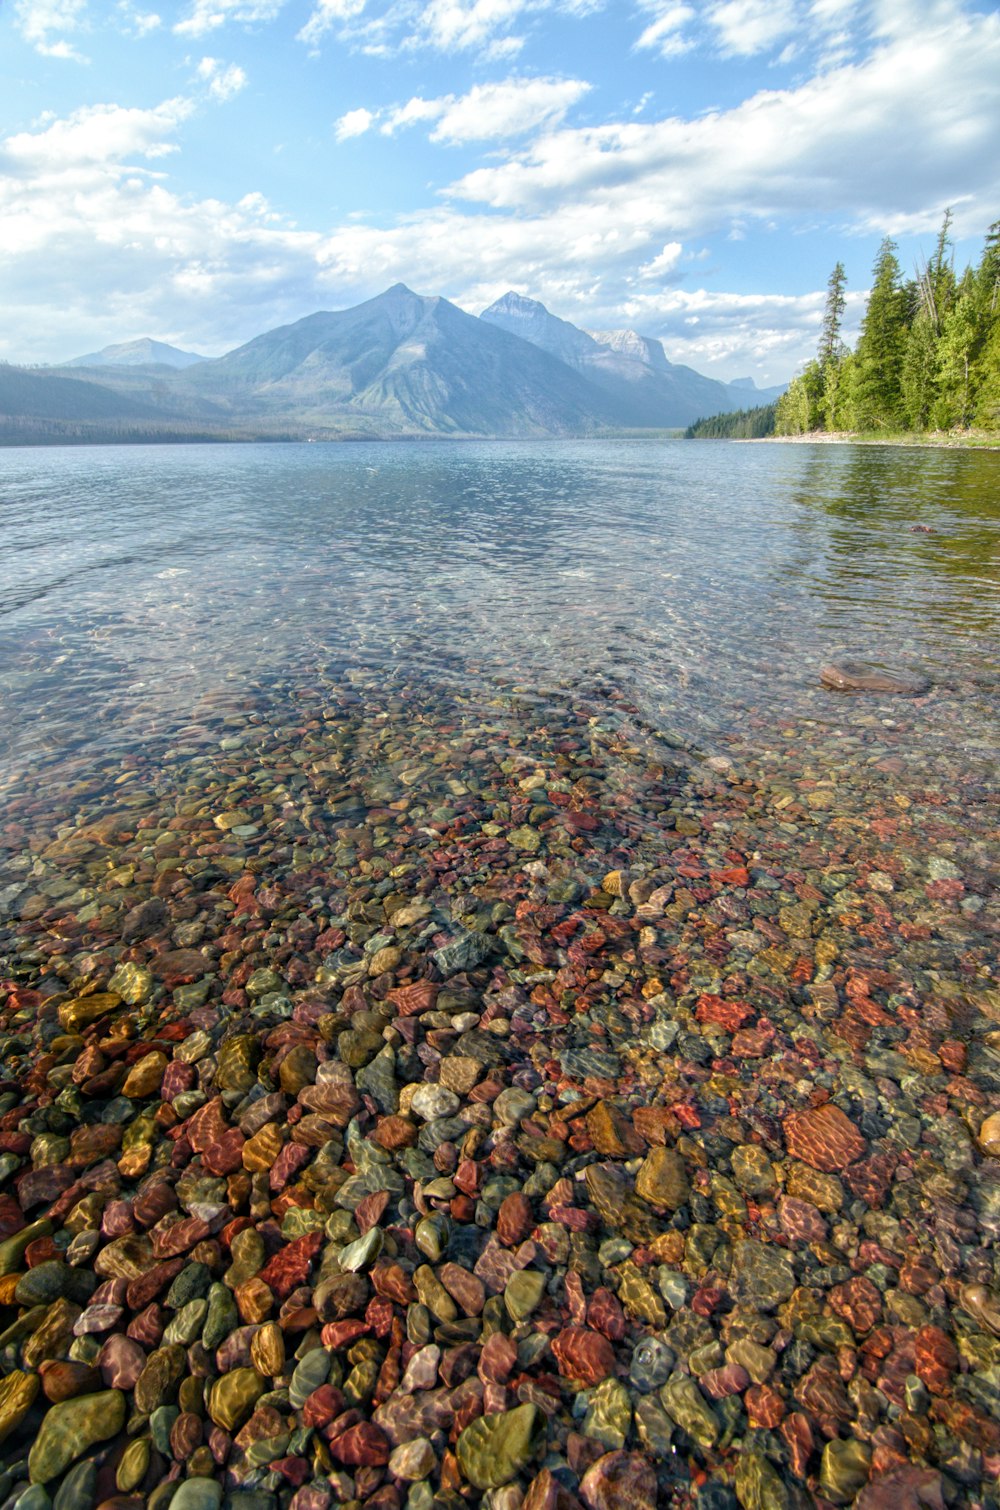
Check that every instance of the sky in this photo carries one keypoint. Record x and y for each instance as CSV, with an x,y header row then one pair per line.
x,y
205,170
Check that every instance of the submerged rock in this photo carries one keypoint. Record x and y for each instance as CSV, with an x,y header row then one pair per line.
x,y
865,676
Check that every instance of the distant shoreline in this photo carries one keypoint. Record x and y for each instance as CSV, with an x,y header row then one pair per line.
x,y
975,440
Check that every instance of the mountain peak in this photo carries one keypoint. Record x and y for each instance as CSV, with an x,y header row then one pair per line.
x,y
142,353
512,303
531,321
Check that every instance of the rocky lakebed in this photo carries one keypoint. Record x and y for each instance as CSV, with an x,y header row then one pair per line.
x,y
409,1106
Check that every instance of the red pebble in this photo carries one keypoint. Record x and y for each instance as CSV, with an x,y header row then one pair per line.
x,y
604,1314
11,1217
42,1251
584,1355
936,1359
729,1015
497,1359
797,1435
823,1137
340,1334
363,1445
515,1219
291,1264
764,1405
322,1406
418,997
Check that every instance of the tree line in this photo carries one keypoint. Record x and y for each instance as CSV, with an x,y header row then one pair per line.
x,y
738,424
927,358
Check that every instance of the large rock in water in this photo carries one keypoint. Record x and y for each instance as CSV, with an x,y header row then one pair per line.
x,y
493,1449
863,676
70,1428
762,1277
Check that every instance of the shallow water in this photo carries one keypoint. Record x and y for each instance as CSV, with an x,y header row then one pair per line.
x,y
283,724
697,579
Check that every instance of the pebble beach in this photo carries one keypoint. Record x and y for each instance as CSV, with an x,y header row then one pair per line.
x,y
414,1095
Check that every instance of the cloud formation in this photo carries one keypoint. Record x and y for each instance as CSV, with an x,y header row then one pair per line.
x,y
840,145
45,23
204,16
607,223
223,80
488,112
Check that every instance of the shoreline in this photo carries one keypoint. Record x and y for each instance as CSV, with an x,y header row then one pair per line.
x,y
973,440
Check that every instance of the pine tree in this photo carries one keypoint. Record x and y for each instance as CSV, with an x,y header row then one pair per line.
x,y
792,413
799,408
830,345
920,371
879,396
986,360
954,404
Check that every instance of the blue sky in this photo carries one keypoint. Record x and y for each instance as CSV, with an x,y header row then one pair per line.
x,y
205,170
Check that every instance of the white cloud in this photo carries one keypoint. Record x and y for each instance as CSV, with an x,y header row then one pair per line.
x,y
412,113
224,80
42,22
138,23
841,145
122,252
458,24
327,14
666,32
354,123
663,263
513,108
486,27
98,137
603,223
745,27
208,15
489,112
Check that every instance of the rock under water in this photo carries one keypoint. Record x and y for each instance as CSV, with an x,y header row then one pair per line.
x,y
866,676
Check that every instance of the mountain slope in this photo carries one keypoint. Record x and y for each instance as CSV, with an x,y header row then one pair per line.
x,y
397,365
141,353
46,407
403,364
631,368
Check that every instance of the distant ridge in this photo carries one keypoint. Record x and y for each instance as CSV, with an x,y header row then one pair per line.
x,y
399,365
632,367
141,353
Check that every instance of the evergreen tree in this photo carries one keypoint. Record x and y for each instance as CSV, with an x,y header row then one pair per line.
x,y
830,345
988,386
986,360
954,404
879,394
920,367
842,401
942,271
799,408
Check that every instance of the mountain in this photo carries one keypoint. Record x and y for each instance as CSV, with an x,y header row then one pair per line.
x,y
406,365
631,368
397,365
142,353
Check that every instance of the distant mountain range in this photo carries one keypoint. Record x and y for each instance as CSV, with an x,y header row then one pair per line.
x,y
142,353
399,365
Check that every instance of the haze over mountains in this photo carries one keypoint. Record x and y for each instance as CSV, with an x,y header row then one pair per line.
x,y
141,353
398,365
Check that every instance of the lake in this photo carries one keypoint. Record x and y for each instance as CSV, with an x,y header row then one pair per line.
x,y
447,855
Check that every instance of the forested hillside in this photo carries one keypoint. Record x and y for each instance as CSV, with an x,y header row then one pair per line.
x,y
928,356
739,424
